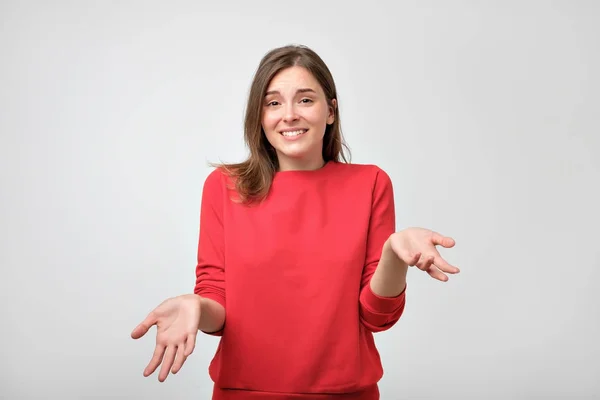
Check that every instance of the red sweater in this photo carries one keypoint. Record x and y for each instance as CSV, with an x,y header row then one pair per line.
x,y
293,275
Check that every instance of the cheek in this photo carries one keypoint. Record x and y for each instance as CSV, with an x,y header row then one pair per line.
x,y
317,115
269,121
269,124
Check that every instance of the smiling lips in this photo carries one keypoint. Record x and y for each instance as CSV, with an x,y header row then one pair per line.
x,y
293,134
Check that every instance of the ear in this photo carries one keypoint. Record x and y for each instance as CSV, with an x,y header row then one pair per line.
x,y
332,108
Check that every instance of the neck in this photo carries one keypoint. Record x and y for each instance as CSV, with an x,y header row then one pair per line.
x,y
301,165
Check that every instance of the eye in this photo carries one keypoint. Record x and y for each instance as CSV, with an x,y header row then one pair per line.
x,y
272,103
306,101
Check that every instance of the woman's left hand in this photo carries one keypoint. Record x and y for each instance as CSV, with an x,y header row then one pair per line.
x,y
417,247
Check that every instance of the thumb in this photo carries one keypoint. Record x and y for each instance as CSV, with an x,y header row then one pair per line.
x,y
441,240
143,327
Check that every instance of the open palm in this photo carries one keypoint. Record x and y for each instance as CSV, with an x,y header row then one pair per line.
x,y
417,247
176,321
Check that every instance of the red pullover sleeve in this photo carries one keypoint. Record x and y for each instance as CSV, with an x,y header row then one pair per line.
x,y
210,269
379,313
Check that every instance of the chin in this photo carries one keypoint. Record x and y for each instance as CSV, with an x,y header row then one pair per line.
x,y
296,155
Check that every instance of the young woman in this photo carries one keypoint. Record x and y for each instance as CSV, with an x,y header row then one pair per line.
x,y
298,263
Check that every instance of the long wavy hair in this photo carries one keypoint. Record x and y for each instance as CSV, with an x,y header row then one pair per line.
x,y
253,177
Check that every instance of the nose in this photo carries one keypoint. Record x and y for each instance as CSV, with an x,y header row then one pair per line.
x,y
290,113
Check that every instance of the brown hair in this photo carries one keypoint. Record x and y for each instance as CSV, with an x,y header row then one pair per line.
x,y
253,177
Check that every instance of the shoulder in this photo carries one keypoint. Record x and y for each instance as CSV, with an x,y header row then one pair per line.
x,y
215,177
214,180
217,183
364,173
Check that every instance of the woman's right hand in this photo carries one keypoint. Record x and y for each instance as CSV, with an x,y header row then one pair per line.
x,y
176,321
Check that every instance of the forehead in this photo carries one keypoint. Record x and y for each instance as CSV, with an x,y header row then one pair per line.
x,y
294,78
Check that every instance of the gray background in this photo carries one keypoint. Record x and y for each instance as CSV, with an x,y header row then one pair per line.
x,y
485,114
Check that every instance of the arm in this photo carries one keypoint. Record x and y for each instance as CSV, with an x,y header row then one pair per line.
x,y
210,269
389,279
212,316
383,285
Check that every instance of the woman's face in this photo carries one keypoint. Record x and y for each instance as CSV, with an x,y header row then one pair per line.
x,y
295,115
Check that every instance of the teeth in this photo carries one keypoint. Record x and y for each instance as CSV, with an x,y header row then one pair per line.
x,y
294,133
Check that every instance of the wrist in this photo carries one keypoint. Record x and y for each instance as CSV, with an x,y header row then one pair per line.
x,y
212,315
389,255
389,278
387,251
202,301
193,297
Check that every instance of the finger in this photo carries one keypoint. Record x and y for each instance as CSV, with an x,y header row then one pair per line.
x,y
190,344
444,266
425,262
144,326
414,259
179,358
440,240
435,273
167,363
157,357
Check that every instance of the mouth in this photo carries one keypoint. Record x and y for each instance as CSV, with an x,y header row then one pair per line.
x,y
297,132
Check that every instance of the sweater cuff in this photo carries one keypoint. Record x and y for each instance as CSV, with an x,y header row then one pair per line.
x,y
382,305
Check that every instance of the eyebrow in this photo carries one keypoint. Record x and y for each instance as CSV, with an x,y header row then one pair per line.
x,y
303,90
